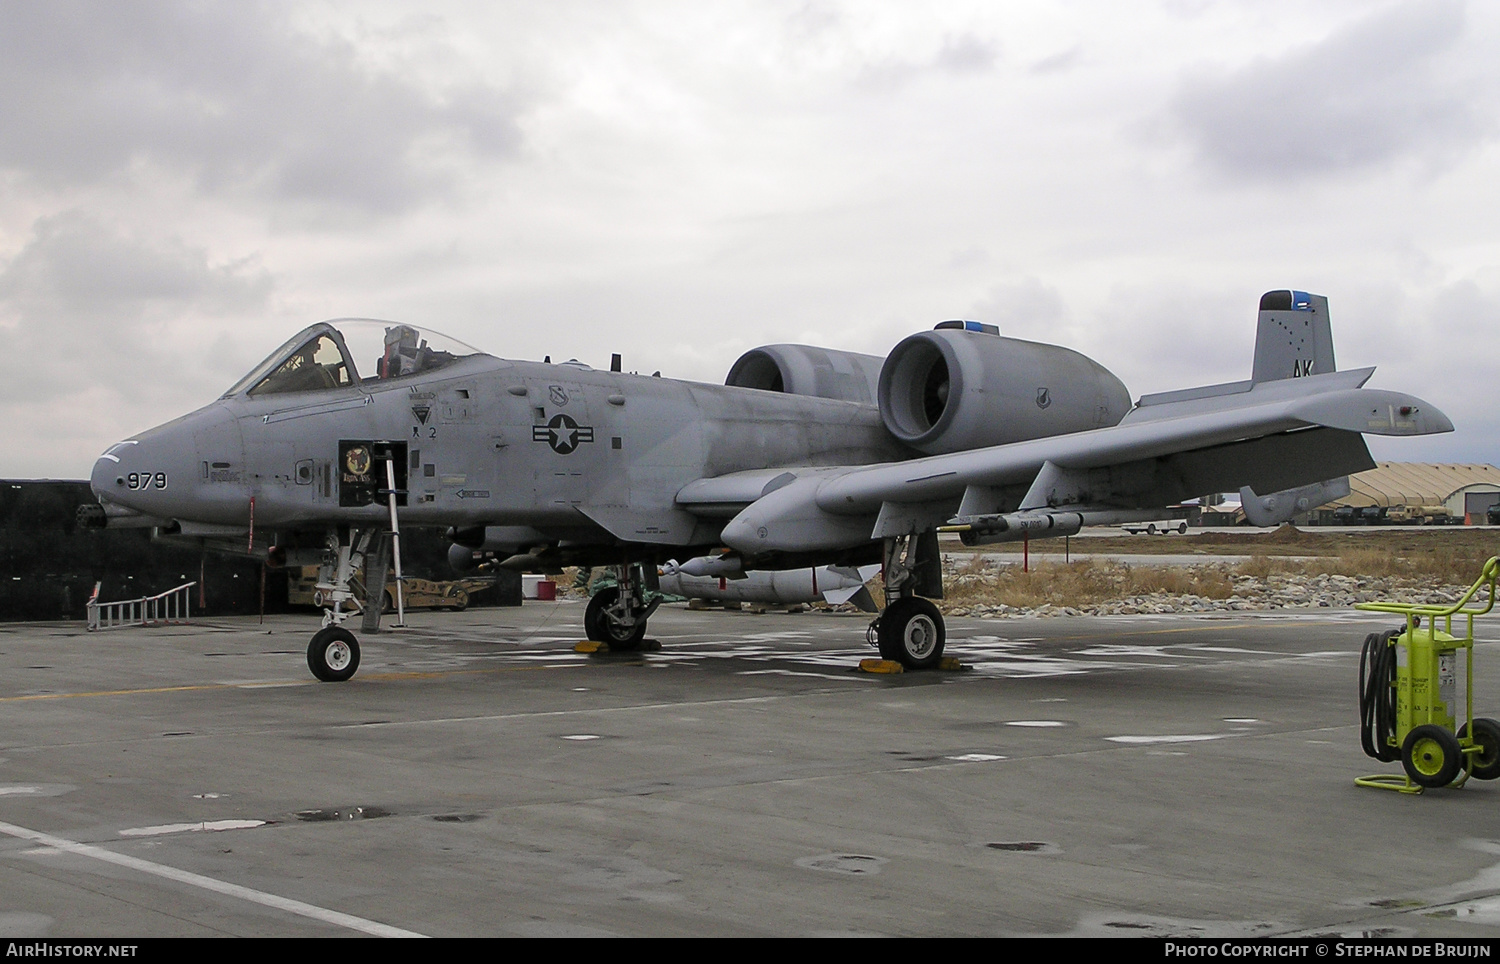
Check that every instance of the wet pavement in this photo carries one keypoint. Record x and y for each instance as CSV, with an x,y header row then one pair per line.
x,y
1150,775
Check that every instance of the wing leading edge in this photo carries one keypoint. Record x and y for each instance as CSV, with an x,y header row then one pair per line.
x,y
1273,437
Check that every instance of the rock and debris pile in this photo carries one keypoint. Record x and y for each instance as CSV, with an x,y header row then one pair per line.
x,y
978,592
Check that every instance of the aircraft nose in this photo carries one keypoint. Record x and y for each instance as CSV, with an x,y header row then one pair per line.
x,y
127,475
158,472
110,469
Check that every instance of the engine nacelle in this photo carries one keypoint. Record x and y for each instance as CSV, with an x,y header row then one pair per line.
x,y
805,370
951,389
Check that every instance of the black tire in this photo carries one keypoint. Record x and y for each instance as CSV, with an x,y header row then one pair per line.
x,y
598,627
1182,528
387,604
1431,756
1486,762
1151,529
333,654
911,633
460,600
593,614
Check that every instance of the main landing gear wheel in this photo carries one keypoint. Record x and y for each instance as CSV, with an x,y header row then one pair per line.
x,y
911,633
1431,756
333,654
601,629
1486,762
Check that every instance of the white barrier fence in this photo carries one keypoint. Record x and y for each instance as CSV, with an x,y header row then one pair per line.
x,y
168,607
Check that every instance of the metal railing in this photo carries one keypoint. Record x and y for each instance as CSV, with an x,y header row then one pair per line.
x,y
171,606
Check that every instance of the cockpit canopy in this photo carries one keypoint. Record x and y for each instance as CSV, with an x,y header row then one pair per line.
x,y
322,357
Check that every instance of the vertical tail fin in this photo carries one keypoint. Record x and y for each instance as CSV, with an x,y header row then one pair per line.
x,y
1293,337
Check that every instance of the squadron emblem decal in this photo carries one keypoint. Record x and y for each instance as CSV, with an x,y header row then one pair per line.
x,y
557,394
357,460
562,434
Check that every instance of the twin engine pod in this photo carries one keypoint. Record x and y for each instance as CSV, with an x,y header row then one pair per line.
x,y
804,370
958,387
953,389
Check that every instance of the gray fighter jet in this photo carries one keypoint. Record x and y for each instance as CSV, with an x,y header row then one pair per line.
x,y
805,457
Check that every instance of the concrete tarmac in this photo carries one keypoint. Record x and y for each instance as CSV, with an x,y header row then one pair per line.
x,y
1184,775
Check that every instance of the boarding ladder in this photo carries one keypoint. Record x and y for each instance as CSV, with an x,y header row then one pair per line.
x,y
167,607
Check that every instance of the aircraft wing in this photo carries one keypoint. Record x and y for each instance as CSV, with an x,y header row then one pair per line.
x,y
1271,437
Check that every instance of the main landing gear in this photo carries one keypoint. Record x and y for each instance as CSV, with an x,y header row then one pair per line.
x,y
617,615
910,630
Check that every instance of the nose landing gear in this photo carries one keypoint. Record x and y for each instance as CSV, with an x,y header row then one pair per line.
x,y
333,654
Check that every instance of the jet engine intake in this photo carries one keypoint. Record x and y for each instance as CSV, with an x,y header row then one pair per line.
x,y
950,390
804,370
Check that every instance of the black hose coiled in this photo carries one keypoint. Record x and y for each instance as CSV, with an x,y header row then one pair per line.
x,y
1377,696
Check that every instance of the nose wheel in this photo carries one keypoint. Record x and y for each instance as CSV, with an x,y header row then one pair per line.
x,y
333,654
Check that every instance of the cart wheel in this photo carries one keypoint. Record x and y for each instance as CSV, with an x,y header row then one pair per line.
x,y
1486,762
1431,756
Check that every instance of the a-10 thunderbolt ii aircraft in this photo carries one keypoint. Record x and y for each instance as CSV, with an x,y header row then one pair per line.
x,y
805,457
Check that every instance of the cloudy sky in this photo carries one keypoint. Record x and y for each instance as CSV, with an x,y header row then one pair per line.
x,y
183,185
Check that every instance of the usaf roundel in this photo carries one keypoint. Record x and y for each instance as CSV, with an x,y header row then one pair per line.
x,y
562,434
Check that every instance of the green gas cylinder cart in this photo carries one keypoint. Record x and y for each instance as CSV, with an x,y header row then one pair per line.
x,y
1408,695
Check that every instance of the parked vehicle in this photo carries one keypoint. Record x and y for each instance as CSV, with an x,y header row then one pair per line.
x,y
1418,515
1152,528
302,590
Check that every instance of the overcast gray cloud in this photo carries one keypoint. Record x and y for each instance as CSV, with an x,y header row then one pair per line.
x,y
959,55
184,185
1023,309
75,265
82,301
232,96
1370,92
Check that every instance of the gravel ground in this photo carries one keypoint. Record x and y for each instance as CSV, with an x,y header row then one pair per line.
x,y
1275,591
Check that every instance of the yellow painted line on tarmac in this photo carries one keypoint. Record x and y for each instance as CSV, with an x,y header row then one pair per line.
x,y
264,684
439,674
144,690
